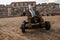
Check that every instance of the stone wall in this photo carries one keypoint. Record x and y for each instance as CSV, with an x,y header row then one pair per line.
x,y
47,9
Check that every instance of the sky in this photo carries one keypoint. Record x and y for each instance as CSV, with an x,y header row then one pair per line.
x,y
38,1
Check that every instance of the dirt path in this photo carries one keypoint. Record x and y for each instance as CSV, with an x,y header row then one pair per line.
x,y
10,30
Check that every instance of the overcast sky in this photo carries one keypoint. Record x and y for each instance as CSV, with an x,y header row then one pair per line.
x,y
38,1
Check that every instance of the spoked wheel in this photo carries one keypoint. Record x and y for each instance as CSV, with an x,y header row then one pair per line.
x,y
47,25
23,27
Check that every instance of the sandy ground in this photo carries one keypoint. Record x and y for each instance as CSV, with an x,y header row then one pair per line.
x,y
10,29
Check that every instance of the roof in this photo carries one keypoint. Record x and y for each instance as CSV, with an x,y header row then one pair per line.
x,y
54,3
47,4
24,2
2,6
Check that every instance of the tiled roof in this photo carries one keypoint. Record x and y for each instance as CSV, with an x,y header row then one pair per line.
x,y
24,2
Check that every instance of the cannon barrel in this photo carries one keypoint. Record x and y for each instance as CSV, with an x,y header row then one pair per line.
x,y
31,11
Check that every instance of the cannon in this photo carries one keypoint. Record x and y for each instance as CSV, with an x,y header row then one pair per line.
x,y
34,21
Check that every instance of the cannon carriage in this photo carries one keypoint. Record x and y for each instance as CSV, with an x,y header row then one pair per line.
x,y
34,21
